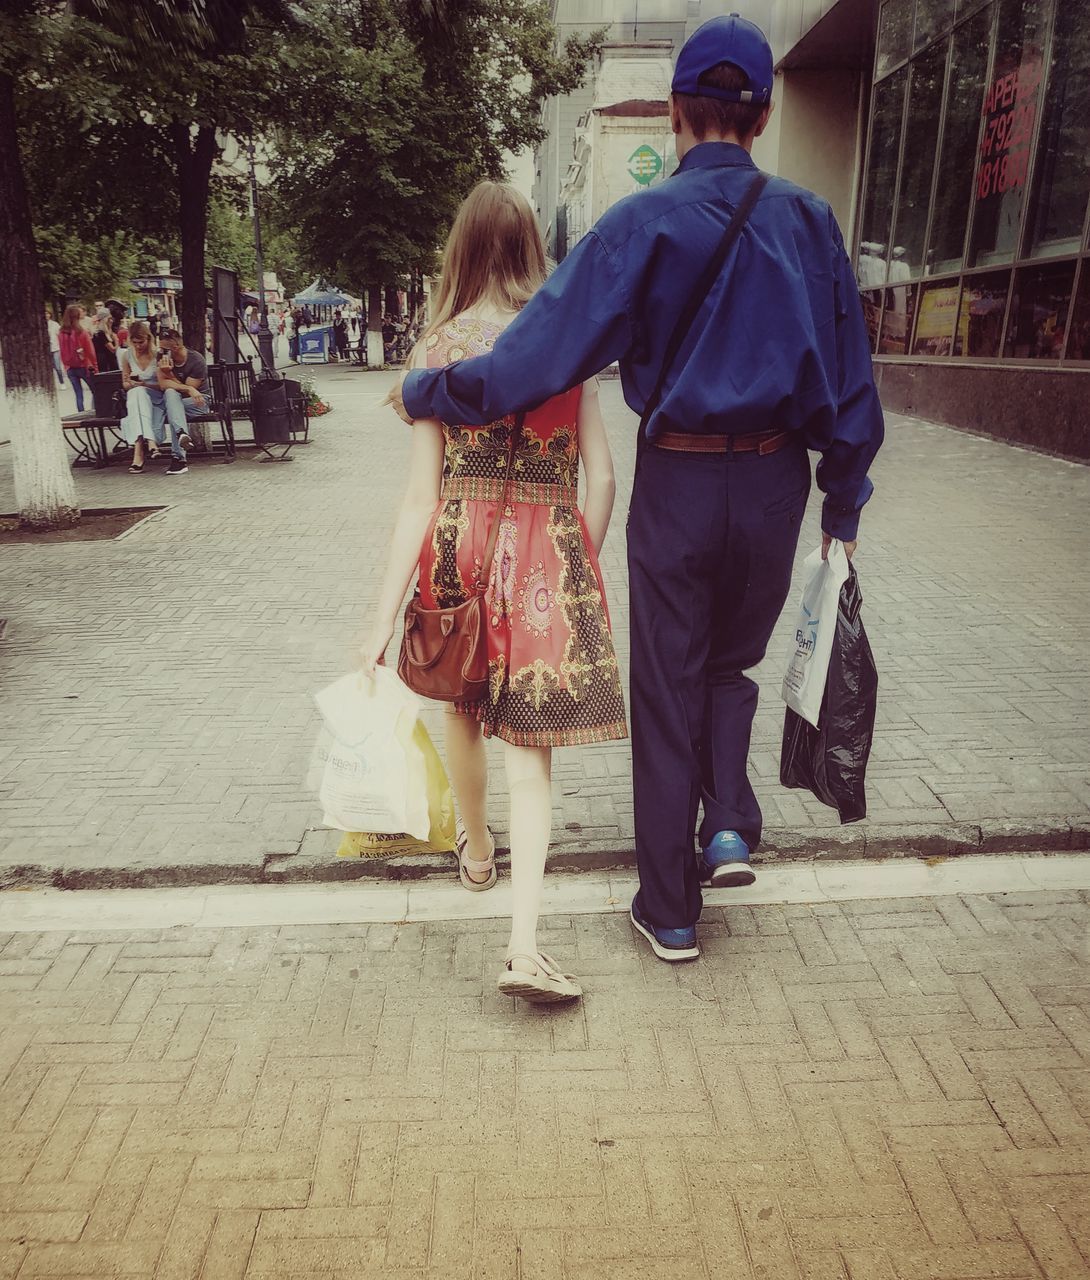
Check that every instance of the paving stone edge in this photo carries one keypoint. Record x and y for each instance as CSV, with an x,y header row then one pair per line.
x,y
314,860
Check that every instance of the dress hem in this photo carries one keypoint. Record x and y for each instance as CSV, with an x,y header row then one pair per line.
x,y
615,732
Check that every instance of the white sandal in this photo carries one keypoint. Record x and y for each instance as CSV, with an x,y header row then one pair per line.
x,y
474,865
548,984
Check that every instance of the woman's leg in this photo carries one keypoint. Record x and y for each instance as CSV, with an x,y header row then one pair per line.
x,y
77,387
468,767
529,781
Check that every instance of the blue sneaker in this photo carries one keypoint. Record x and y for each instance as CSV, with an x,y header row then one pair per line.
x,y
667,944
725,864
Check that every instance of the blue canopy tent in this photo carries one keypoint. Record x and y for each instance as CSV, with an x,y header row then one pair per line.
x,y
319,298
320,295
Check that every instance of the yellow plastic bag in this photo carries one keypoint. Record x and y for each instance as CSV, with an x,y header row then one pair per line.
x,y
365,844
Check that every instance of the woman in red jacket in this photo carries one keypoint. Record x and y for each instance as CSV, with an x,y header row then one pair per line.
x,y
77,351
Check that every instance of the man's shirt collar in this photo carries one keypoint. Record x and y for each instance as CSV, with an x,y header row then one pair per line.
x,y
711,155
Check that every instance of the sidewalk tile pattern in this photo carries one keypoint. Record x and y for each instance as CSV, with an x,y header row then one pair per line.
x,y
157,689
874,1090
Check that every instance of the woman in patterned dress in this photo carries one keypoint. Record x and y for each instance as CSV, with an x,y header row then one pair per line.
x,y
553,678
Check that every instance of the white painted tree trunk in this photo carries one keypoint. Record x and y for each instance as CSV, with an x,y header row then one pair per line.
x,y
44,491
375,354
45,494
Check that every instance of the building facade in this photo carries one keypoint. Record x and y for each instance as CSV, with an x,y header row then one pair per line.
x,y
952,138
974,202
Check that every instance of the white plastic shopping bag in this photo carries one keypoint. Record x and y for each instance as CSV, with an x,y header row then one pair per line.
x,y
808,666
369,772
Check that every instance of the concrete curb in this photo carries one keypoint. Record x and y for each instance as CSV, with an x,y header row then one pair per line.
x,y
315,860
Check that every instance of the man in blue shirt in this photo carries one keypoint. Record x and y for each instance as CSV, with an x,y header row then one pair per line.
x,y
776,362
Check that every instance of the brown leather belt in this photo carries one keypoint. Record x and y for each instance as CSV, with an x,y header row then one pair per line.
x,y
760,442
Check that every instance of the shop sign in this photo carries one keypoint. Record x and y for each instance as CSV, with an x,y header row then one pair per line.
x,y
156,284
645,165
1010,110
935,325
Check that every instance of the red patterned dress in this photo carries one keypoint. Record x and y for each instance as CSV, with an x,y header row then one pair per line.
x,y
553,677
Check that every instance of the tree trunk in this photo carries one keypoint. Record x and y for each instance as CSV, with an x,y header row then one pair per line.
x,y
376,357
193,163
393,300
44,490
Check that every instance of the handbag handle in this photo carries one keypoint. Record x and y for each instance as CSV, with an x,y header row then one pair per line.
x,y
494,532
696,300
446,626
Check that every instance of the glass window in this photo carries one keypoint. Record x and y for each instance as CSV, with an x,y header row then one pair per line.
x,y
917,169
881,179
1078,341
894,35
932,18
980,318
1010,109
1039,307
935,322
872,309
1063,156
897,320
956,158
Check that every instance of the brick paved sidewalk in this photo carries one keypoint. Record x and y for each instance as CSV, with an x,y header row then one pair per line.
x,y
869,1090
156,714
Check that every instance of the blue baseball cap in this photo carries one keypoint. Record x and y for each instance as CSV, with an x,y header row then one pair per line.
x,y
730,39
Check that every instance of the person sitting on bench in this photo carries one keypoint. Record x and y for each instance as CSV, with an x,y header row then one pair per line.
x,y
145,413
183,375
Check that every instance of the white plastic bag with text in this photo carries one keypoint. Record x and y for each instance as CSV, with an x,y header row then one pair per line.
x,y
815,626
369,773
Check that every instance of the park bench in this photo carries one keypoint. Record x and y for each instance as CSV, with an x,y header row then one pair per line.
x,y
234,388
95,435
86,432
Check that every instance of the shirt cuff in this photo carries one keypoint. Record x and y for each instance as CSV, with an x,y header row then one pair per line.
x,y
412,393
843,525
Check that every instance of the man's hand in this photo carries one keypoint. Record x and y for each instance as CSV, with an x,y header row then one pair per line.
x,y
393,398
197,398
827,542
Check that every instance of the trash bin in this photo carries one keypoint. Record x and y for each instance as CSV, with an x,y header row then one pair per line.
x,y
271,413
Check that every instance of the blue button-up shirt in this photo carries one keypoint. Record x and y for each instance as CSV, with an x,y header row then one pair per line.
x,y
780,342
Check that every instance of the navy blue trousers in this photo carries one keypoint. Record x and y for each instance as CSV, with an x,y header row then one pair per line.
x,y
711,543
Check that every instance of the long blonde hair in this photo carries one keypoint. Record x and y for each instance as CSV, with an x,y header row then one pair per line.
x,y
494,253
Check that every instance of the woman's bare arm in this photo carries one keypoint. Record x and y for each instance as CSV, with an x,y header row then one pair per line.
x,y
601,486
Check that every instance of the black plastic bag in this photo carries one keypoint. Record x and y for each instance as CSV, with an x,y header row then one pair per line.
x,y
831,761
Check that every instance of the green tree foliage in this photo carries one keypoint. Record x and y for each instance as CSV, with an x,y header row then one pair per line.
x,y
429,97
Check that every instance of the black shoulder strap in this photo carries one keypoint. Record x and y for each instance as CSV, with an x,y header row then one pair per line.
x,y
696,299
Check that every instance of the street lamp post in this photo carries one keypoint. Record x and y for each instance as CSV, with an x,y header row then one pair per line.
x,y
264,334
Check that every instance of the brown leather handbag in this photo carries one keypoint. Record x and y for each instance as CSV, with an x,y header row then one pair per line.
x,y
444,652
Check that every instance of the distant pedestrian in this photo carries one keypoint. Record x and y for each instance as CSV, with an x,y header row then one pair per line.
x,y
77,351
340,336
105,341
292,333
54,345
118,313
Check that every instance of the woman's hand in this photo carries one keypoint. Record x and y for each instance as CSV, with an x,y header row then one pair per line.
x,y
373,649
